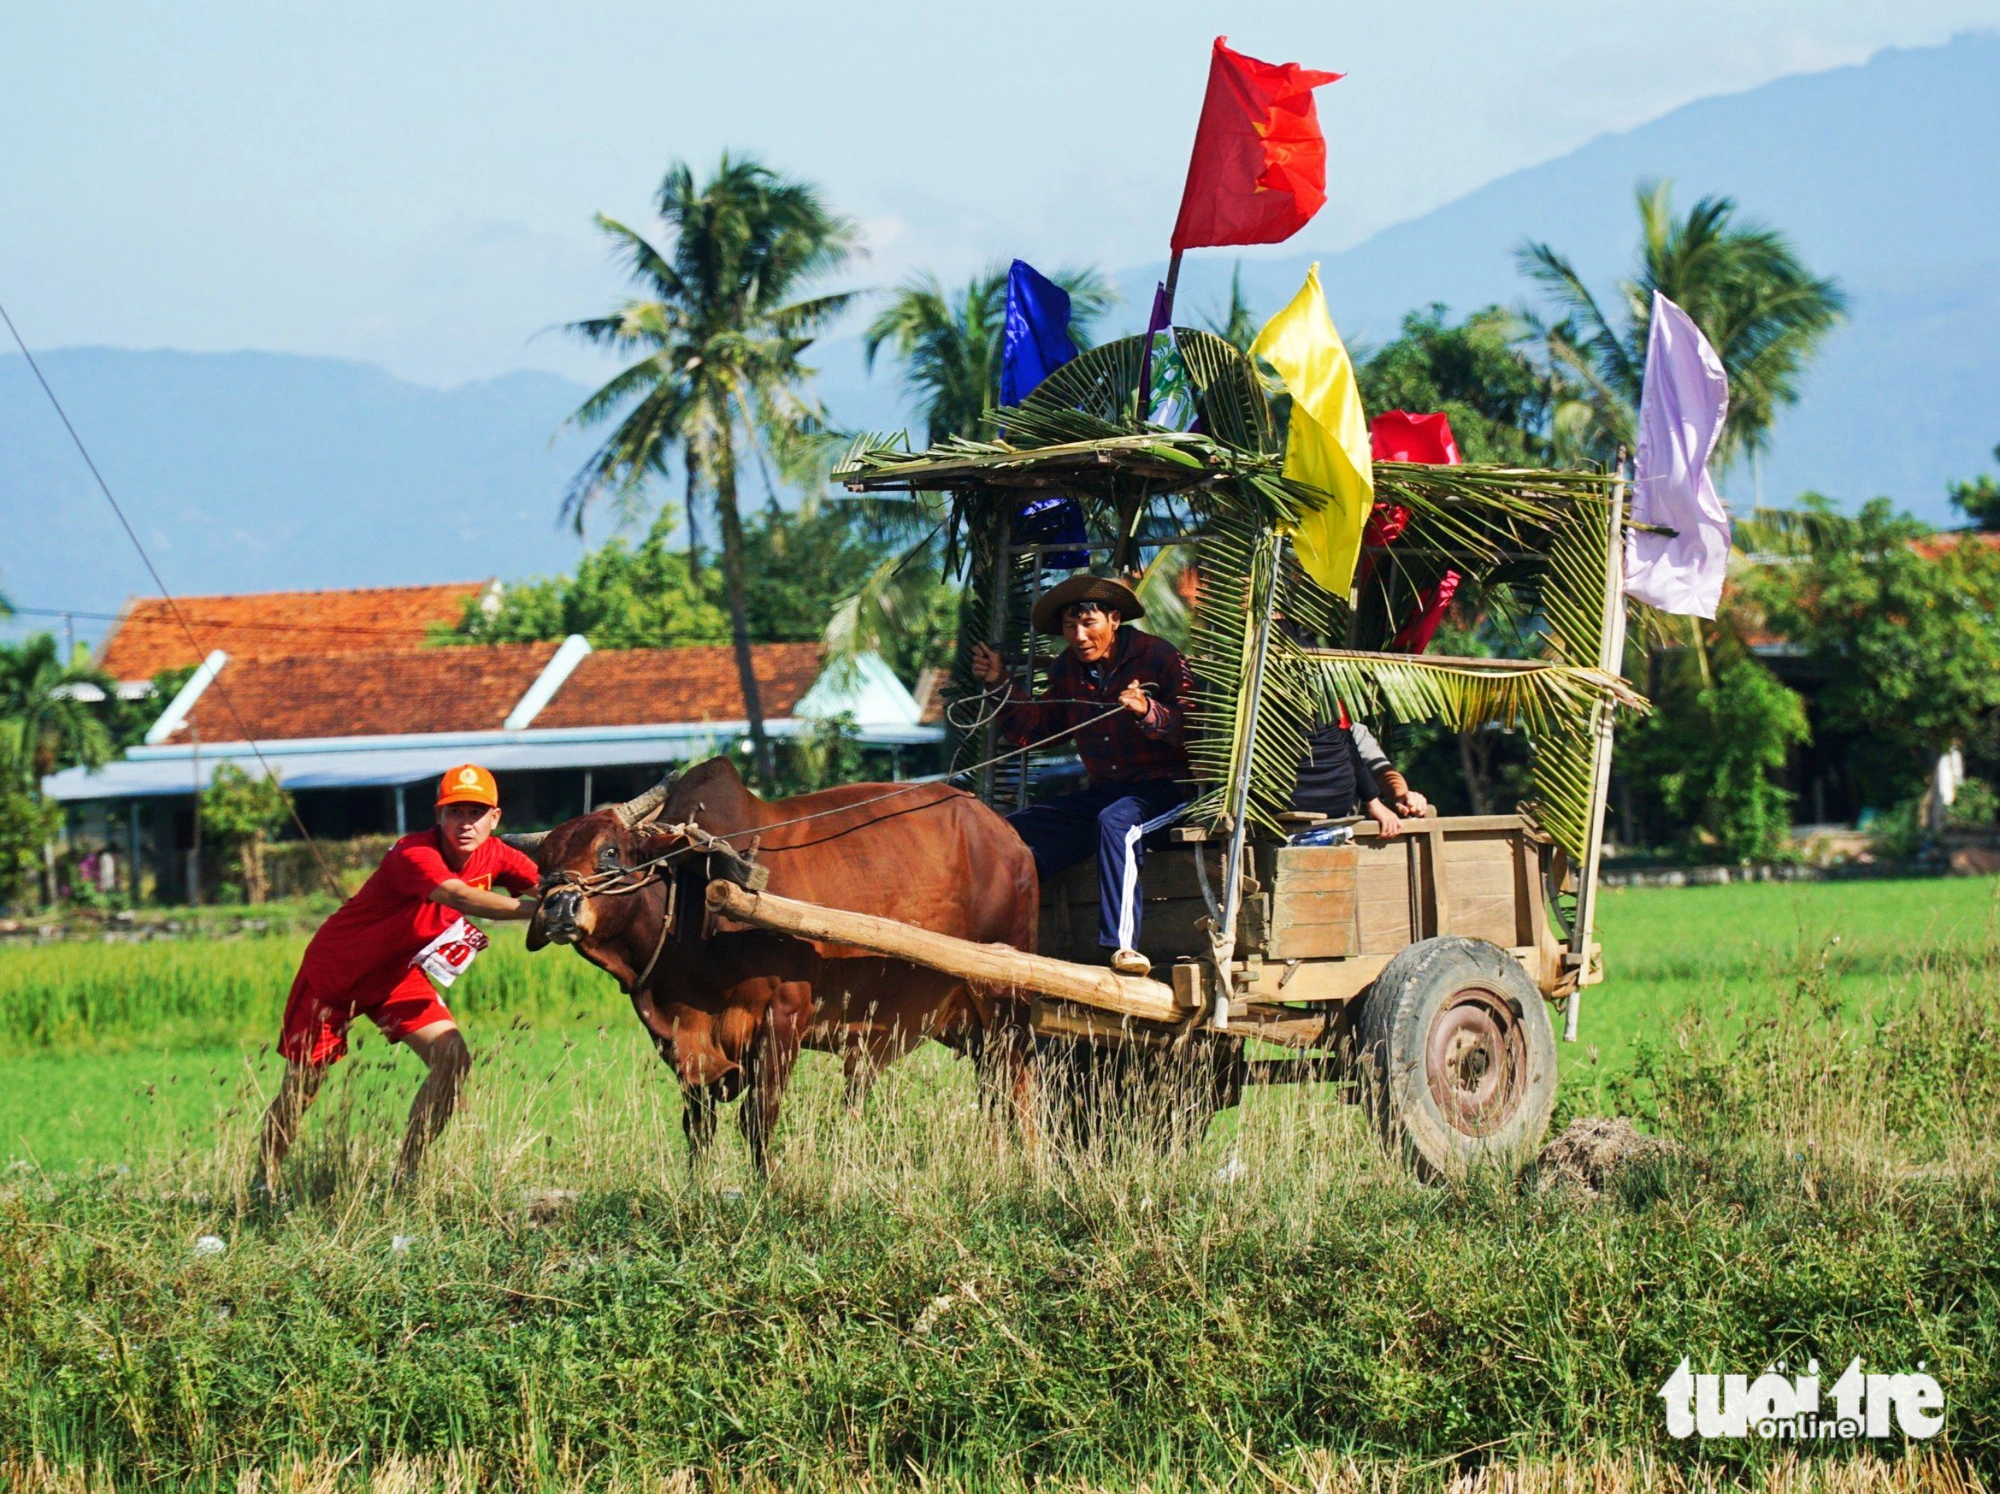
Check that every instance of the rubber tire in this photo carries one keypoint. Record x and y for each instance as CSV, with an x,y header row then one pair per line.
x,y
1498,1008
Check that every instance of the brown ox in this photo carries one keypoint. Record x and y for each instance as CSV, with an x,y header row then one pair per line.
x,y
729,1007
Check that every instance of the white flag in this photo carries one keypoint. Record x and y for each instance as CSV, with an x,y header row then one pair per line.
x,y
1681,412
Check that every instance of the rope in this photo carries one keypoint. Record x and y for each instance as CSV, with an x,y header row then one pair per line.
x,y
621,881
911,788
180,617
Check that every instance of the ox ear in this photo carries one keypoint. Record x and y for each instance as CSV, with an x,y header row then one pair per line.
x,y
645,807
528,842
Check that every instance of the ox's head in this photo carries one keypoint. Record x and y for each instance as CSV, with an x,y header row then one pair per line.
x,y
583,861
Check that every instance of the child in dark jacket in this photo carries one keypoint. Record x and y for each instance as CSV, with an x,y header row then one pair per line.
x,y
1345,772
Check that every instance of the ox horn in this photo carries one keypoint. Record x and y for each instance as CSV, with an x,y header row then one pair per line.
x,y
632,811
528,842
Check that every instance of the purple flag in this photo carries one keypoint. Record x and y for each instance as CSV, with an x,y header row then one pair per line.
x,y
1681,410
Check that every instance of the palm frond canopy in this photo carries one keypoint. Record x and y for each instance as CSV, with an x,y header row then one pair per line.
x,y
1535,537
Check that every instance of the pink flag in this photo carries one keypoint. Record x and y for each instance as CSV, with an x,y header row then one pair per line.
x,y
1681,411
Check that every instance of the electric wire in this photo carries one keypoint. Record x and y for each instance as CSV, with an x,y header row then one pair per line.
x,y
333,884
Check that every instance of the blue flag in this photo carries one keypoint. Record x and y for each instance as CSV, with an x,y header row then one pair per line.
x,y
1037,336
1036,343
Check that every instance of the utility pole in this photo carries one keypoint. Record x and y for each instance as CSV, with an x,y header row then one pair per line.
x,y
194,856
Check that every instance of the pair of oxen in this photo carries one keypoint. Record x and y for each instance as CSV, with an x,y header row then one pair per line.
x,y
730,1007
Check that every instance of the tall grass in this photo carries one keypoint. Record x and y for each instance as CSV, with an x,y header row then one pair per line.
x,y
564,1303
911,1295
207,992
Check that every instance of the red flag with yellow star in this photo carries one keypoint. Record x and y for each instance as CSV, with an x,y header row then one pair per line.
x,y
1258,171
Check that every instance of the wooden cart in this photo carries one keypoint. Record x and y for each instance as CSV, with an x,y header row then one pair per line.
x,y
1415,970
1418,971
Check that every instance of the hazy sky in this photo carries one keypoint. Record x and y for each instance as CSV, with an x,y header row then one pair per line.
x,y
413,185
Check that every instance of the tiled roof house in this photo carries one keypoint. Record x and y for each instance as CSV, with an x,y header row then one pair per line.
x,y
363,705
149,636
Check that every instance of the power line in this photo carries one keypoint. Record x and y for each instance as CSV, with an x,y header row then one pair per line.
x,y
186,628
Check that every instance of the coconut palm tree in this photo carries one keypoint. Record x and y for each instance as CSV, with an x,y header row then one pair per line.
x,y
719,334
1759,306
47,714
1234,323
950,344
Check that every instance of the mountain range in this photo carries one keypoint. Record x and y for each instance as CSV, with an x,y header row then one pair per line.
x,y
254,471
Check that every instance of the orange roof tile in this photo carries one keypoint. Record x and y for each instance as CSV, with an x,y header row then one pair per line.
x,y
384,693
648,686
272,625
930,696
1938,544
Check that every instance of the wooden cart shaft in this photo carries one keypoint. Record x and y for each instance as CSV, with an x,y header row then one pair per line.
x,y
1320,924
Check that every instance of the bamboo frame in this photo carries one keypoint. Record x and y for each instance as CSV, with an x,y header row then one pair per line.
x,y
1603,720
1224,938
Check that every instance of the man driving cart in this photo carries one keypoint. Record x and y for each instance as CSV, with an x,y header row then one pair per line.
x,y
1123,695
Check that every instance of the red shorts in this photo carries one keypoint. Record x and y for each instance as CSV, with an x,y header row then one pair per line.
x,y
315,1031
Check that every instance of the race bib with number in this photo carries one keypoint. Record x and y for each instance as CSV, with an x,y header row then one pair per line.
x,y
444,959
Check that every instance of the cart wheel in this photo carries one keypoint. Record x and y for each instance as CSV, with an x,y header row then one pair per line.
x,y
1105,1096
1459,1057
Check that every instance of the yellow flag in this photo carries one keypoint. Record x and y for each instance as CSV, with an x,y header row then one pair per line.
x,y
1327,447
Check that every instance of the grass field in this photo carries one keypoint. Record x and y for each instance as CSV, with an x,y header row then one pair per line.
x,y
114,1053
914,1298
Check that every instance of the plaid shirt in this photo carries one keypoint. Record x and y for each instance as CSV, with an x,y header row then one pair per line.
x,y
1124,748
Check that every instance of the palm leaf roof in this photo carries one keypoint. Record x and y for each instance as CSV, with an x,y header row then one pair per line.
x,y
1536,535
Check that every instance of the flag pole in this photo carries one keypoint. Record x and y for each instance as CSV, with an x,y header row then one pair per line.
x,y
1611,659
1222,941
1162,317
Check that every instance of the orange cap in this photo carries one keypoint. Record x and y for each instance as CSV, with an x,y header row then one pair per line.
x,y
470,784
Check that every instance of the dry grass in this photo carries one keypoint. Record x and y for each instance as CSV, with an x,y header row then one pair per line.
x,y
469,1473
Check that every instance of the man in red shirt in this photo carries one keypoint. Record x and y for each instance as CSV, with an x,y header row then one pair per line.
x,y
379,952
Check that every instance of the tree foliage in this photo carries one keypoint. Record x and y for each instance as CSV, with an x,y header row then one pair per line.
x,y
236,806
237,812
1903,625
28,822
621,596
806,571
48,716
52,715
1759,306
1478,373
1979,499
1713,749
